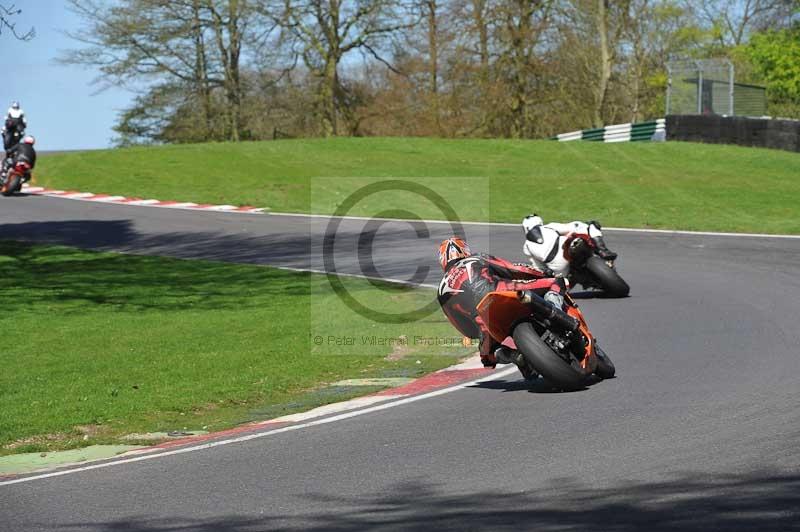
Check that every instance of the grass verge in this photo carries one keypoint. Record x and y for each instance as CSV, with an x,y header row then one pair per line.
x,y
661,185
95,346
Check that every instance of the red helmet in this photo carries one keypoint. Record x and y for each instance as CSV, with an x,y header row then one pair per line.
x,y
452,249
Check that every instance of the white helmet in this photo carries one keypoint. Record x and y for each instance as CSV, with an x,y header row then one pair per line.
x,y
29,140
532,226
531,221
15,105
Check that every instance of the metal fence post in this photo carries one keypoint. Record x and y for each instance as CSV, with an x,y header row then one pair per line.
x,y
731,86
669,87
699,88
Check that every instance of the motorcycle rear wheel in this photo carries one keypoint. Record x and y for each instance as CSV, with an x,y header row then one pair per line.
x,y
556,370
613,285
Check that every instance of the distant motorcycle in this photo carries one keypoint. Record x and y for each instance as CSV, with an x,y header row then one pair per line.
x,y
587,268
557,345
12,180
12,135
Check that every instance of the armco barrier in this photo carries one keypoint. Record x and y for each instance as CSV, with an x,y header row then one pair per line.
x,y
642,131
744,131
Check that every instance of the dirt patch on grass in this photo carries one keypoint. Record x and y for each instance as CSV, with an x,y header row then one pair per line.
x,y
42,439
399,351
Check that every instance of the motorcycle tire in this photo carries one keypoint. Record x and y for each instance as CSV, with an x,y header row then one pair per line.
x,y
607,277
605,368
13,184
557,371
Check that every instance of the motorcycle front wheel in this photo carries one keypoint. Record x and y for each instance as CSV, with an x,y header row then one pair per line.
x,y
567,376
605,368
13,184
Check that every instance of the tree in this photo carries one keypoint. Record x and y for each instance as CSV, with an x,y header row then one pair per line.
x,y
149,45
323,32
732,21
522,26
7,14
658,30
776,57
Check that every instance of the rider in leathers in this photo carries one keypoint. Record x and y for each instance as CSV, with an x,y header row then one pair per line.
x,y
14,122
544,243
468,278
23,153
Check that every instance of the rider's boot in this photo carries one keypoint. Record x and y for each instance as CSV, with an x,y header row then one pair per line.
x,y
602,249
506,355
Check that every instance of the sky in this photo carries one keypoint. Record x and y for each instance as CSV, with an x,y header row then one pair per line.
x,y
60,102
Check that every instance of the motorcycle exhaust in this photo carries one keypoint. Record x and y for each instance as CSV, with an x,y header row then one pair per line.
x,y
545,311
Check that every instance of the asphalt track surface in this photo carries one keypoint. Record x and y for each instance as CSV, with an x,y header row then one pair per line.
x,y
699,431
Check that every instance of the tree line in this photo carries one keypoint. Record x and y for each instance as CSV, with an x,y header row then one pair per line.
x,y
214,70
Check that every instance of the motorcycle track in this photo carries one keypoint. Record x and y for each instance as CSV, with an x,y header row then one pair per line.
x,y
698,431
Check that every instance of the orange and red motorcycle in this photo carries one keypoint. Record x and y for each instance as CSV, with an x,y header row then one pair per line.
x,y
11,182
556,344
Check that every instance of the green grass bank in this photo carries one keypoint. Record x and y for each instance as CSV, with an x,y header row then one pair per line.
x,y
669,185
97,346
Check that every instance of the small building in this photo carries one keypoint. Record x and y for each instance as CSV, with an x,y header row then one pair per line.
x,y
748,100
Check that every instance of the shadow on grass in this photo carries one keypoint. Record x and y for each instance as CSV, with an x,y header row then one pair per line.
x,y
101,278
764,501
65,276
121,235
71,279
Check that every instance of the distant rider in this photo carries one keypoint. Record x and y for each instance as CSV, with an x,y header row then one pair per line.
x,y
25,154
544,243
468,278
14,123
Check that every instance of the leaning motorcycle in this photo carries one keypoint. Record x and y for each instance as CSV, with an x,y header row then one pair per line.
x,y
556,344
587,268
11,182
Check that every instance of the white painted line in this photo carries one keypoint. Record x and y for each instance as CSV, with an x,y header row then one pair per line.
x,y
505,224
697,233
258,435
231,208
32,189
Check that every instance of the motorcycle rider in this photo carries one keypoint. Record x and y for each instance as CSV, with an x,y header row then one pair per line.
x,y
24,153
468,278
544,243
14,123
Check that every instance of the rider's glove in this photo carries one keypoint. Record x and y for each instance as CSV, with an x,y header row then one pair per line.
x,y
555,299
